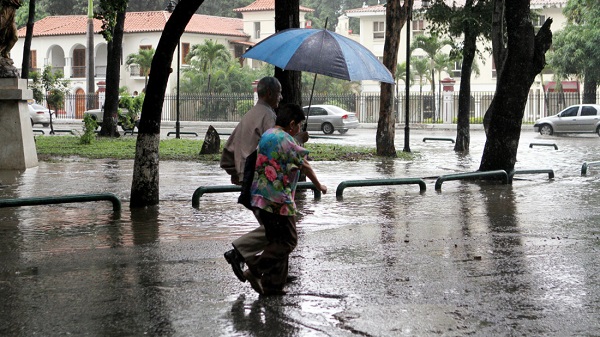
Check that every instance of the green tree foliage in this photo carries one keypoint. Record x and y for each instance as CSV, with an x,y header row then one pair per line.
x,y
468,23
146,5
576,48
107,13
331,10
420,71
432,46
227,76
223,7
22,13
206,55
143,58
51,85
327,85
63,7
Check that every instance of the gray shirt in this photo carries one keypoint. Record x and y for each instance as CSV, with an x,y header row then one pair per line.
x,y
244,138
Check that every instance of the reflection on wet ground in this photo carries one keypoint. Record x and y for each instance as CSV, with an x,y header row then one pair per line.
x,y
475,258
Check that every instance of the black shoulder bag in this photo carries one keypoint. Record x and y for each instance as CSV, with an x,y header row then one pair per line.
x,y
249,168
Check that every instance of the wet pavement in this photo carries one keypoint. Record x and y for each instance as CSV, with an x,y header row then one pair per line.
x,y
482,259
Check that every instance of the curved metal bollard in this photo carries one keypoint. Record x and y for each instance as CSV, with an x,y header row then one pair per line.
x,y
236,188
543,144
62,199
585,166
471,175
512,174
442,139
378,182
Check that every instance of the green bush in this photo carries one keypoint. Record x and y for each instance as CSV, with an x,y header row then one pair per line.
x,y
89,126
472,120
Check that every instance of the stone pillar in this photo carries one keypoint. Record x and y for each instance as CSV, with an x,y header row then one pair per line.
x,y
17,145
448,98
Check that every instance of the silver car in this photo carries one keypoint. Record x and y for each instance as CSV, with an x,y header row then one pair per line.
x,y
580,118
39,114
330,118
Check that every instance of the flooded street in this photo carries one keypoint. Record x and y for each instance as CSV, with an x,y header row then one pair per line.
x,y
482,259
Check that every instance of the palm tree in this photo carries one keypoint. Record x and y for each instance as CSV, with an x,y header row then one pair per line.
x,y
400,76
420,67
431,45
144,59
208,54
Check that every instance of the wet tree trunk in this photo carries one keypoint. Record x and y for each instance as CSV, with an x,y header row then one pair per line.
x,y
498,48
463,136
589,90
395,18
525,60
287,15
145,184
113,68
27,42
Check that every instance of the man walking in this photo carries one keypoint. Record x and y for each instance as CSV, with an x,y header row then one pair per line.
x,y
242,142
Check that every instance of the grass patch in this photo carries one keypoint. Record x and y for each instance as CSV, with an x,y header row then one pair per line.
x,y
50,147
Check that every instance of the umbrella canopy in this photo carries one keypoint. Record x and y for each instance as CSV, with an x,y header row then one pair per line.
x,y
320,51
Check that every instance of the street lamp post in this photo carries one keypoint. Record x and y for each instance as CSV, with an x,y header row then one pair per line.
x,y
424,4
407,99
170,7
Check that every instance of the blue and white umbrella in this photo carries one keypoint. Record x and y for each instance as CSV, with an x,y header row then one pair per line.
x,y
320,51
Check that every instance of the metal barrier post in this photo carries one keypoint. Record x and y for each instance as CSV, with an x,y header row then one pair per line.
x,y
471,175
61,199
378,182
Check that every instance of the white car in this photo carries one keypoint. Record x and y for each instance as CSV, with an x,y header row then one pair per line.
x,y
330,118
580,118
39,114
96,114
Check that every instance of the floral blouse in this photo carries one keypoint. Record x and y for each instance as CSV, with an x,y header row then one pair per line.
x,y
278,162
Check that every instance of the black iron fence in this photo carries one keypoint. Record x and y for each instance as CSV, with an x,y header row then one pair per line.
x,y
424,107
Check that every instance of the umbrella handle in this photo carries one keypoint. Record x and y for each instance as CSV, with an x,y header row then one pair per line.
x,y
310,103
312,91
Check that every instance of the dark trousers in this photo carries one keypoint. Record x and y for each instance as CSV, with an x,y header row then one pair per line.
x,y
272,265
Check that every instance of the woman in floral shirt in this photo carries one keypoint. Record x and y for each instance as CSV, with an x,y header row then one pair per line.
x,y
278,165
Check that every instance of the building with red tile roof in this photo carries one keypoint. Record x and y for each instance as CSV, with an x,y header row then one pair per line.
x,y
60,41
265,5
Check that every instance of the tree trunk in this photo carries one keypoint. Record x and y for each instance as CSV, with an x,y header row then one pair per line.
x,y
27,42
463,136
90,64
287,15
436,113
498,48
525,60
589,90
113,67
395,18
145,183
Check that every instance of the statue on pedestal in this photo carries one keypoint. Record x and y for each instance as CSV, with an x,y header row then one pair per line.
x,y
8,36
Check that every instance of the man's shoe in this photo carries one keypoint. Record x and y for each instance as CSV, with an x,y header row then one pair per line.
x,y
291,278
254,281
237,264
273,292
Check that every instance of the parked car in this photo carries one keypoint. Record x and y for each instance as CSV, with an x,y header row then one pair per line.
x,y
330,118
580,118
39,114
